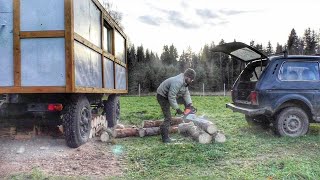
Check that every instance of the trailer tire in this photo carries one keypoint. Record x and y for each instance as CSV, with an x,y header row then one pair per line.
x,y
112,110
77,121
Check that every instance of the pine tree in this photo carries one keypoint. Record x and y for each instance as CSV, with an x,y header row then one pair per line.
x,y
165,56
310,41
293,43
148,57
279,48
140,54
269,49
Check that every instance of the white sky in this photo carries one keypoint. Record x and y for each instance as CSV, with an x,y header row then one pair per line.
x,y
194,23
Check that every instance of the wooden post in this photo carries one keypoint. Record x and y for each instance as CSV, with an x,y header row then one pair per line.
x,y
202,89
16,43
69,44
139,89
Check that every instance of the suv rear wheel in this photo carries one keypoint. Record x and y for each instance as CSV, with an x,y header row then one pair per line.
x,y
292,121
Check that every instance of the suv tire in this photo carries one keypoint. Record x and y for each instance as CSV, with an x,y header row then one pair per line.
x,y
292,122
77,121
258,121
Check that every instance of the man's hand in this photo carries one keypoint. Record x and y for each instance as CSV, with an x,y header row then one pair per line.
x,y
179,111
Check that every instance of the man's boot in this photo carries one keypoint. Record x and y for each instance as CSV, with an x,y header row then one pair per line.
x,y
164,130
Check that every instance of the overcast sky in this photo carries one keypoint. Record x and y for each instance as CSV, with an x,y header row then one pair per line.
x,y
194,23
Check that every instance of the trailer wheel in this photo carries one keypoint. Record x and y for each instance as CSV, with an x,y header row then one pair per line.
x,y
292,122
112,110
77,121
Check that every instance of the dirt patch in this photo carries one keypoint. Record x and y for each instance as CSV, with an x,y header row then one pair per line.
x,y
52,156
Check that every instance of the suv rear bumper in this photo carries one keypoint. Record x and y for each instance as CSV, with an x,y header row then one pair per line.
x,y
246,111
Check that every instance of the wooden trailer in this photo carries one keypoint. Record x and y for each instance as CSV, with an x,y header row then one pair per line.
x,y
61,57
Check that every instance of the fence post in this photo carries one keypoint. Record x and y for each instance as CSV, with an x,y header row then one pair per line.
x,y
202,89
139,90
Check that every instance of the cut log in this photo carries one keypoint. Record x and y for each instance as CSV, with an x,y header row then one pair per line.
x,y
157,123
152,131
104,136
189,129
126,132
183,127
204,124
220,137
205,138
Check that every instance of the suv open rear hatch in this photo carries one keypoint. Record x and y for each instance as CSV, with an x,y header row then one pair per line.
x,y
240,51
243,91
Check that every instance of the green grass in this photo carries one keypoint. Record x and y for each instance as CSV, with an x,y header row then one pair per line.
x,y
249,153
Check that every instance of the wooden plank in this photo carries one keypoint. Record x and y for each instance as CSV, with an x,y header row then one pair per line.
x,y
102,56
69,45
114,54
87,43
121,63
99,90
33,89
42,34
16,43
108,55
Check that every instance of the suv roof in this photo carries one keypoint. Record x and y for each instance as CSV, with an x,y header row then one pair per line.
x,y
308,57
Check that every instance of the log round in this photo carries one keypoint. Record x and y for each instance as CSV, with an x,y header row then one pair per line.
x,y
104,136
220,138
205,138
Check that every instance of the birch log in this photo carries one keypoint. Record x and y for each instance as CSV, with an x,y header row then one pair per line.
x,y
189,129
204,124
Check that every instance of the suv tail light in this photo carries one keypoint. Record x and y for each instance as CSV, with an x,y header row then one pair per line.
x,y
254,98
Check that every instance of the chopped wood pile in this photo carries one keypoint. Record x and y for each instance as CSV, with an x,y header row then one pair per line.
x,y
199,129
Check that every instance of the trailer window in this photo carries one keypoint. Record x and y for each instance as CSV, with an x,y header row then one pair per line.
x,y
120,47
107,40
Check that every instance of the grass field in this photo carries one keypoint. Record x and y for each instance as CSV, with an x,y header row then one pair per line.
x,y
249,153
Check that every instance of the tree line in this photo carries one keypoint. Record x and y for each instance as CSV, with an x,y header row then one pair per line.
x,y
214,70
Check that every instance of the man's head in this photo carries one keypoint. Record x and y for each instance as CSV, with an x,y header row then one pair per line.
x,y
189,75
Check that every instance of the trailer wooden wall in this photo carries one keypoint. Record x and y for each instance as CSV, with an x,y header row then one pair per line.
x,y
60,46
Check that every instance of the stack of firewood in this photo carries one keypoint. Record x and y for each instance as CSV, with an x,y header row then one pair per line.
x,y
200,130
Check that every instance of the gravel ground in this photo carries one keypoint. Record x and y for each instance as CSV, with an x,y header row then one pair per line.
x,y
52,156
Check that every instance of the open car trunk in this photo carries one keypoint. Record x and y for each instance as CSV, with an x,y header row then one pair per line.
x,y
246,82
255,62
